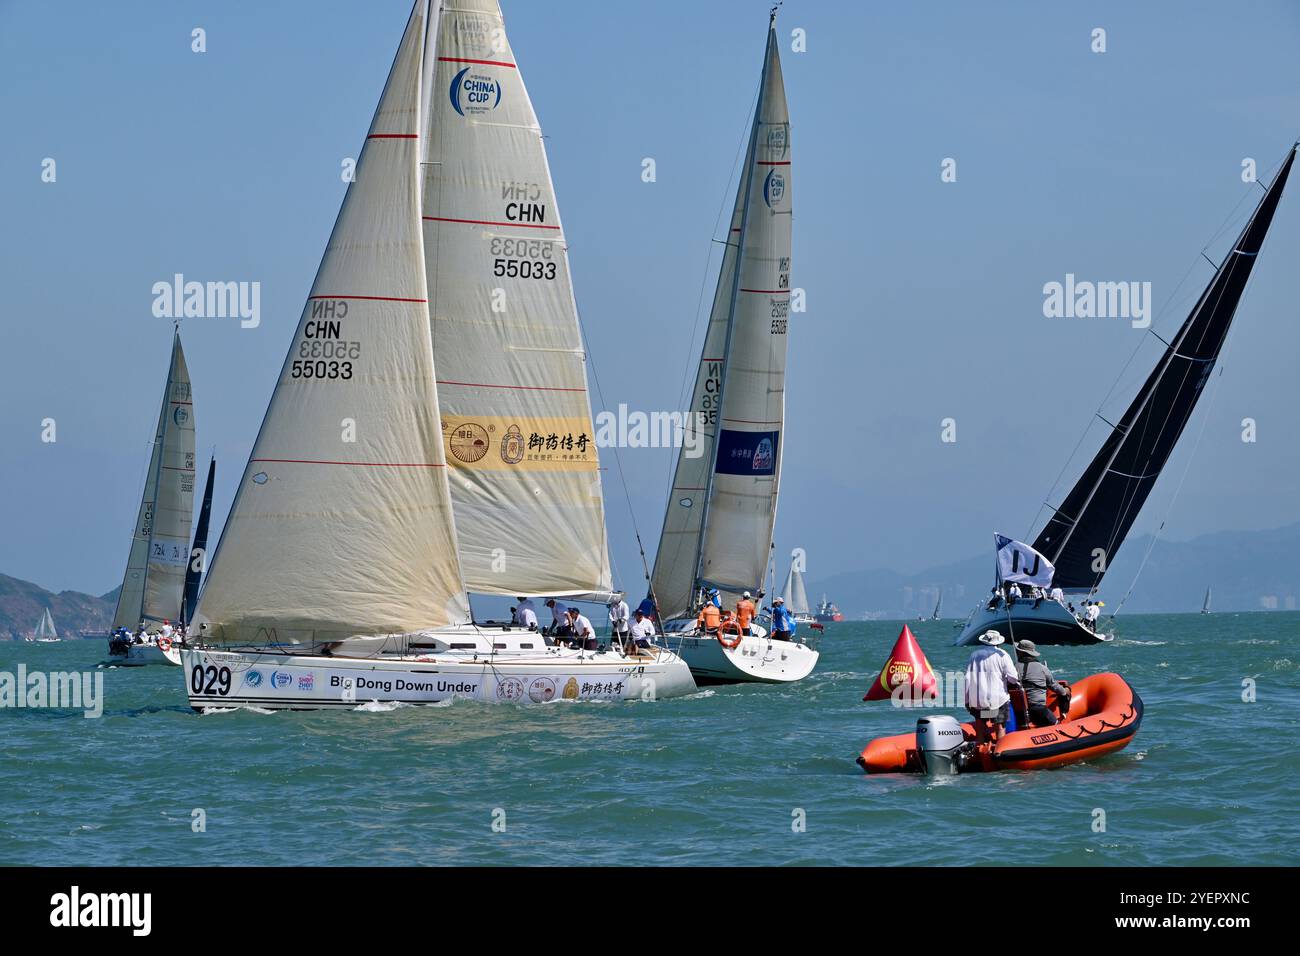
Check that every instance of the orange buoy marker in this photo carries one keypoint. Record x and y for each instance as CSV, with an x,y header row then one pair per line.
x,y
906,665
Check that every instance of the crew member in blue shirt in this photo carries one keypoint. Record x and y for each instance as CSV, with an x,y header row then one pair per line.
x,y
783,623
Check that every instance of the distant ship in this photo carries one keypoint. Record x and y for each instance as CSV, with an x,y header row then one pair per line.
x,y
827,613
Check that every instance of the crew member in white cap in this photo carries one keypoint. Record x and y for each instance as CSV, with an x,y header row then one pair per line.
x,y
989,673
618,619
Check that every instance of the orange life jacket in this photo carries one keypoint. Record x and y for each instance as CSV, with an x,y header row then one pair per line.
x,y
710,617
744,612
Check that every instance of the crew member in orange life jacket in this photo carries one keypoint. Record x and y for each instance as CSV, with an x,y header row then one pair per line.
x,y
710,618
744,612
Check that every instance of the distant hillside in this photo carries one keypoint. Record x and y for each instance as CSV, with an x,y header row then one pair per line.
x,y
1247,570
22,602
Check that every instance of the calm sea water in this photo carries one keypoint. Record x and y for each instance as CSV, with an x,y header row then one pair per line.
x,y
715,778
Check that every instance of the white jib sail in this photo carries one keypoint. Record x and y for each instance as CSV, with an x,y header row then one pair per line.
x,y
342,522
796,596
512,384
160,546
45,630
718,527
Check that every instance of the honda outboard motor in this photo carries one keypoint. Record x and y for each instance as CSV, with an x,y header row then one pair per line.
x,y
940,742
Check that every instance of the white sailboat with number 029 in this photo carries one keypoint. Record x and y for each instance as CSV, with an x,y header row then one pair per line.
x,y
442,324
721,511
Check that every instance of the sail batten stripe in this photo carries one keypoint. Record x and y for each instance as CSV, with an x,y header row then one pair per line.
x,y
763,162
488,222
524,388
767,291
355,464
393,136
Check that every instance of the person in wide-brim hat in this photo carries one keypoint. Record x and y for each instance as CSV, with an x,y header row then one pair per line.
x,y
992,638
1027,648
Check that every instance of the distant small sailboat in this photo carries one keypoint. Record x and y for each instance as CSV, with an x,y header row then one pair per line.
x,y
45,632
721,510
938,608
1205,606
796,595
154,582
1084,533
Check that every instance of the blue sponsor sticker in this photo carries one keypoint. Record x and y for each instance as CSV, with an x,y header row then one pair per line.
x,y
751,454
773,188
474,92
253,678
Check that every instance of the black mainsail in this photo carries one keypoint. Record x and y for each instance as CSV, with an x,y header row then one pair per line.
x,y
199,551
1089,526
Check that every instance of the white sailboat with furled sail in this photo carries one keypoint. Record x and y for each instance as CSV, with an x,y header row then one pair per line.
x,y
1082,535
721,509
442,323
46,632
154,581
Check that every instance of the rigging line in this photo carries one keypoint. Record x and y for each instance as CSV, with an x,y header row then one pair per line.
x,y
1187,467
683,399
1169,302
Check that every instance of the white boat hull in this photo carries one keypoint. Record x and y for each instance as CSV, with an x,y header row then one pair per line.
x,y
278,681
756,659
1050,624
138,655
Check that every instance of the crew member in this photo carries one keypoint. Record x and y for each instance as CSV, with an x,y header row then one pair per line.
x,y
744,612
1091,615
643,629
710,617
525,615
989,673
783,622
1036,679
559,619
584,637
647,608
1013,594
1058,595
618,618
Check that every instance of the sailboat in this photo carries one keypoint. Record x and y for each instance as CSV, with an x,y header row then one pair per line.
x,y
721,510
199,549
938,608
45,632
154,580
1085,531
442,323
1205,606
796,595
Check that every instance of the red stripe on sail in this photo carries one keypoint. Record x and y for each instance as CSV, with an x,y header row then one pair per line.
x,y
355,464
461,59
366,298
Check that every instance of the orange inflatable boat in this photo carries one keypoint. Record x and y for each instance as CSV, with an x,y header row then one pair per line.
x,y
1104,715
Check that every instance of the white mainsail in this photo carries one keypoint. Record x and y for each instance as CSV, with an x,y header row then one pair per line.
x,y
722,506
45,630
342,523
796,596
160,546
512,385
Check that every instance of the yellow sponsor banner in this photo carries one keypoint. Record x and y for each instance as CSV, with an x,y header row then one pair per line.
x,y
531,444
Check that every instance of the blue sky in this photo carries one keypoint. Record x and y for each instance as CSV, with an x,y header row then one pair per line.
x,y
925,298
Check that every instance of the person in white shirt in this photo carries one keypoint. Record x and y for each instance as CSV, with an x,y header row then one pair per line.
x,y
1058,595
525,604
1014,594
643,629
559,619
989,673
584,636
526,617
618,618
166,630
1091,615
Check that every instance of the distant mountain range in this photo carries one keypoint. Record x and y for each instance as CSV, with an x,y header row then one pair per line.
x,y
21,605
1247,570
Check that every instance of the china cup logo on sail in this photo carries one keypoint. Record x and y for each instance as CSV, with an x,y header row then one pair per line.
x,y
773,188
180,416
763,455
474,93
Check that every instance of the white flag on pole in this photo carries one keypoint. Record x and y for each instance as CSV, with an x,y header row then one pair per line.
x,y
1017,561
